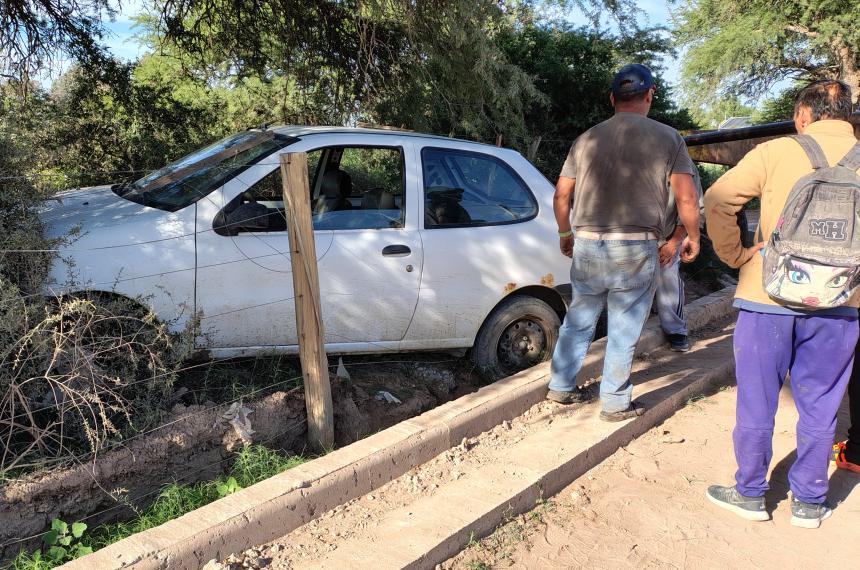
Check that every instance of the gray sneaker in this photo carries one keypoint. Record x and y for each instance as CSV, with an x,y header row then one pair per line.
x,y
750,508
808,515
576,396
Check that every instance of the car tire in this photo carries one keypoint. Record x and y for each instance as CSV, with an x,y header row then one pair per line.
x,y
521,332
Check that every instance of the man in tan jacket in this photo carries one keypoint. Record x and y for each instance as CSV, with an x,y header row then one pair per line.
x,y
771,340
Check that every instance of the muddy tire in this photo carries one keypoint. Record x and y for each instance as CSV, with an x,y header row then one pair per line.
x,y
521,332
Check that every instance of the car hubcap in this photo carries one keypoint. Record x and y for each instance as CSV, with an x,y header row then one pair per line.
x,y
521,345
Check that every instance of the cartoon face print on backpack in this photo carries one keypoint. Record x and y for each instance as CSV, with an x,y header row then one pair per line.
x,y
810,284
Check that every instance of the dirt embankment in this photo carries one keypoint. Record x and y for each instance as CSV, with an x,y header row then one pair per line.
x,y
198,441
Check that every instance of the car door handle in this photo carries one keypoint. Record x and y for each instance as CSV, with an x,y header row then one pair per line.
x,y
396,250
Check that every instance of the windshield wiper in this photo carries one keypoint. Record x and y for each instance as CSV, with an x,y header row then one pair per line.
x,y
121,188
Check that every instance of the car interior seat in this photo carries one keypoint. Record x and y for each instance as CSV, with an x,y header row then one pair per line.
x,y
378,199
370,200
443,207
336,187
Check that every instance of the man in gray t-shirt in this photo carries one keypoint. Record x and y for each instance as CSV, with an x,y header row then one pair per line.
x,y
621,169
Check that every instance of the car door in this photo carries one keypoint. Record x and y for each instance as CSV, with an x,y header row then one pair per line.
x,y
483,237
369,257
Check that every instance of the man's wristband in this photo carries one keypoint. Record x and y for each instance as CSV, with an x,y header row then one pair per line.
x,y
568,233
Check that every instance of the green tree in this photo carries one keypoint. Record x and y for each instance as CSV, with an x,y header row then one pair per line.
x,y
431,65
108,126
779,108
711,115
744,47
572,69
34,33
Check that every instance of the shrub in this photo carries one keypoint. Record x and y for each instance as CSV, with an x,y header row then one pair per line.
x,y
75,373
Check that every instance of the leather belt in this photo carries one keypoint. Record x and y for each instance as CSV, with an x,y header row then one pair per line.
x,y
617,236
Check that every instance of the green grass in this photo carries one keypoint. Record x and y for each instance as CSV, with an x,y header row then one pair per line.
x,y
253,464
231,380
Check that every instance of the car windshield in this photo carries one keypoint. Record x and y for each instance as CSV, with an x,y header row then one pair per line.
x,y
192,177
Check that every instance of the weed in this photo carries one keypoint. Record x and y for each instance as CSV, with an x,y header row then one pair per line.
x,y
253,464
240,378
477,565
694,400
256,462
84,371
228,487
63,543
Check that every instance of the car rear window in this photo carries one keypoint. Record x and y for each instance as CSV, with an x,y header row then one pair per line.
x,y
464,188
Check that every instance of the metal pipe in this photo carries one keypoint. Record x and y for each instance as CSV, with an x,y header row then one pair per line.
x,y
756,131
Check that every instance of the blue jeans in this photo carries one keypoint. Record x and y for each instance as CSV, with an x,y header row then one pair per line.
x,y
622,276
670,298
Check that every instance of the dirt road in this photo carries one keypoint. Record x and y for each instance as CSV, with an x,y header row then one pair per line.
x,y
644,507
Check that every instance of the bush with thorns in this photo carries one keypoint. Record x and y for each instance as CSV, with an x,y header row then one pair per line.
x,y
90,371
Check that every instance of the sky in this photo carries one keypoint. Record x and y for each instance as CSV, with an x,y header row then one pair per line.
x,y
120,33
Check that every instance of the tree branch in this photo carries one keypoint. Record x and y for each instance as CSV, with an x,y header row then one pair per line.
x,y
802,30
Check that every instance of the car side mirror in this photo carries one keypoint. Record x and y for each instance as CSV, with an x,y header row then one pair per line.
x,y
248,217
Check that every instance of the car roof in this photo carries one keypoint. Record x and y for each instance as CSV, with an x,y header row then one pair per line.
x,y
304,131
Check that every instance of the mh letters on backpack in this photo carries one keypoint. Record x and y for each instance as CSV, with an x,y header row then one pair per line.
x,y
812,259
833,230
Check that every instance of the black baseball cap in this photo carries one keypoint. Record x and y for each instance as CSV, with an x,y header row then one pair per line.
x,y
632,78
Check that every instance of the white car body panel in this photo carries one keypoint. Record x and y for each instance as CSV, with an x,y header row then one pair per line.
x,y
117,246
241,285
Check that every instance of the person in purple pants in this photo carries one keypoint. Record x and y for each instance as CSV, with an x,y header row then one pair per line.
x,y
771,340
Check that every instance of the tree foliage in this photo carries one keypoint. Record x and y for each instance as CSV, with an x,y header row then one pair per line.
x,y
33,33
744,47
436,61
779,108
572,69
718,110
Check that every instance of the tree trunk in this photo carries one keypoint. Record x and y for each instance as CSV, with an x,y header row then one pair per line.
x,y
848,69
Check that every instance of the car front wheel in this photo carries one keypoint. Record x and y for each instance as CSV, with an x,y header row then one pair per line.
x,y
520,333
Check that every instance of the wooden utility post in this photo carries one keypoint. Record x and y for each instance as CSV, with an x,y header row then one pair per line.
x,y
309,326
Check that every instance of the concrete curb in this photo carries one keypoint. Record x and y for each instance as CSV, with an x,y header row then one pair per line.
x,y
275,507
554,480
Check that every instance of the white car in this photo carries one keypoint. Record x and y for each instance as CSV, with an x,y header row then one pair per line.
x,y
423,243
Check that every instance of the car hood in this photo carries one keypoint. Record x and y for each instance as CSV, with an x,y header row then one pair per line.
x,y
84,210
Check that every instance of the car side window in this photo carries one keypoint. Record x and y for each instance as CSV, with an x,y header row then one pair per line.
x,y
463,188
260,208
360,188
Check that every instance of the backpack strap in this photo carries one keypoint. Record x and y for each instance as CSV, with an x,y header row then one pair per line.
x,y
813,151
851,161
